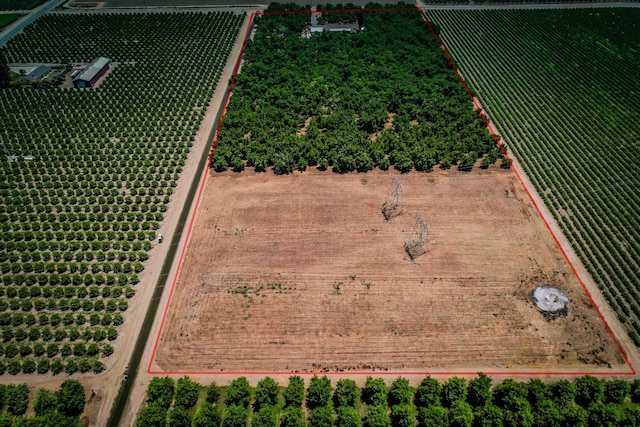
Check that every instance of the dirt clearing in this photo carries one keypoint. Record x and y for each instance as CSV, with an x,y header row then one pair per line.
x,y
302,273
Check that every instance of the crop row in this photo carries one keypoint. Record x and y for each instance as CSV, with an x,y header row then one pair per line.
x,y
453,403
89,304
567,114
55,319
78,221
54,279
65,291
46,334
56,366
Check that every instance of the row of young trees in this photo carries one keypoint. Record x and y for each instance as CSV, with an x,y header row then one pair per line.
x,y
384,96
77,221
587,401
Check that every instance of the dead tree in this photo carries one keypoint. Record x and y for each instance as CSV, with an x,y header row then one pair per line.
x,y
392,207
419,245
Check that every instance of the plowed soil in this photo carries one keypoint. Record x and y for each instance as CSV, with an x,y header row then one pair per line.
x,y
302,273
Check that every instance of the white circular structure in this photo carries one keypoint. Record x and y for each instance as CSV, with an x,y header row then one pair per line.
x,y
550,301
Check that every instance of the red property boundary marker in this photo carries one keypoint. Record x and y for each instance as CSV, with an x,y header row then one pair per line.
x,y
378,372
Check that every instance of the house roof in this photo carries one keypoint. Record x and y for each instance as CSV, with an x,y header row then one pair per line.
x,y
92,69
353,27
36,74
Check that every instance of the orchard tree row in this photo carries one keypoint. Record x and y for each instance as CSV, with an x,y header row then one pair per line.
x,y
384,96
77,221
587,401
565,103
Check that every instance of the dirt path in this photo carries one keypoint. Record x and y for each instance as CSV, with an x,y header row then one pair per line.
x,y
137,396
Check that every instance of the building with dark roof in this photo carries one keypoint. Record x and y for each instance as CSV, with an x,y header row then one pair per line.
x,y
35,75
92,72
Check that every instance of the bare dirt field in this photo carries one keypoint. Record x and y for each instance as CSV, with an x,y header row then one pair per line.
x,y
302,273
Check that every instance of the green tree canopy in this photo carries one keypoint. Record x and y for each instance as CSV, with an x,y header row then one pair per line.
x,y
321,416
213,393
179,417
235,416
44,402
16,398
460,414
635,391
537,391
547,414
453,390
375,392
318,392
589,390
403,415
604,415
347,416
427,393
432,416
70,398
562,393
517,413
345,394
479,391
506,393
294,393
264,417
266,393
488,416
630,416
575,416
292,417
400,392
187,392
207,415
238,393
616,391
152,415
5,77
160,391
377,416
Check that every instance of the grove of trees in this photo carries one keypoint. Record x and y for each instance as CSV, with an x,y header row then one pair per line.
x,y
587,401
382,97
77,221
61,407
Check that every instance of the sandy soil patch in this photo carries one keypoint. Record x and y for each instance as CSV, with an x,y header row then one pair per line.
x,y
301,272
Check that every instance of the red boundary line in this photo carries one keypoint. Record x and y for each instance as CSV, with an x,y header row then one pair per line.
x,y
546,223
378,372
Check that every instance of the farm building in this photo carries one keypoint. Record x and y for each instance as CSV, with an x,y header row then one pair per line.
x,y
351,27
35,75
90,75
